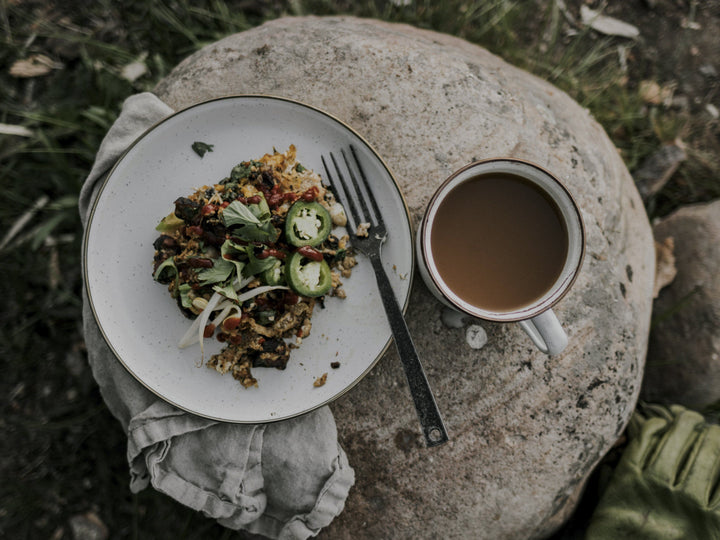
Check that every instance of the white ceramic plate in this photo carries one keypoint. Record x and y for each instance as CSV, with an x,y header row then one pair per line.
x,y
141,322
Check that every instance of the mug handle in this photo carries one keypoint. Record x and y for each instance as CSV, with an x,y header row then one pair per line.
x,y
546,333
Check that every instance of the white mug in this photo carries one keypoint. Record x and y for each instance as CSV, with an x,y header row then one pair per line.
x,y
536,317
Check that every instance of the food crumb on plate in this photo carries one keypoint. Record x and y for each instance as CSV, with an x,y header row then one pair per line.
x,y
320,381
362,230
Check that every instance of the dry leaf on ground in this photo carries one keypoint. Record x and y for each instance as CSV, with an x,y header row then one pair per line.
x,y
13,129
651,92
36,65
607,25
134,70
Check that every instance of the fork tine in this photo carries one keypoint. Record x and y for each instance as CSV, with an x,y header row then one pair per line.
x,y
357,205
340,190
373,201
352,198
361,194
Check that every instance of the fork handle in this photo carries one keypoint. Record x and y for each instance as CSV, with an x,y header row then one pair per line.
x,y
430,419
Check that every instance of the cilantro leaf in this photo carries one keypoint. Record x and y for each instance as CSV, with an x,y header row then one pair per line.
x,y
243,170
251,222
163,276
261,210
227,290
255,265
232,250
220,271
255,233
184,291
236,213
201,148
170,223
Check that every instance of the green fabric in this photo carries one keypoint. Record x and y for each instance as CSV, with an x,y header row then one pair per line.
x,y
666,484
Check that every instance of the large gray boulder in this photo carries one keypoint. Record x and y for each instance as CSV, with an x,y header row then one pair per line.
x,y
683,364
526,430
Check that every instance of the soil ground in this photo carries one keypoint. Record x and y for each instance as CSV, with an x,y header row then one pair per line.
x,y
679,45
679,49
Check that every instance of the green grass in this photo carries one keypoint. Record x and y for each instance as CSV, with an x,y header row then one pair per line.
x,y
62,452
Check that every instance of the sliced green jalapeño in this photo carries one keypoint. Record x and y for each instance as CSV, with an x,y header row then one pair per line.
x,y
307,277
307,224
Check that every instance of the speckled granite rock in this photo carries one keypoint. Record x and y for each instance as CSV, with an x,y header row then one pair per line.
x,y
526,429
683,363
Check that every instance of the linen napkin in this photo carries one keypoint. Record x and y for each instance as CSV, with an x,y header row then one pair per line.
x,y
284,480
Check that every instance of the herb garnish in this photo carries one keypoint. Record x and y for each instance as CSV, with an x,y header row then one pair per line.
x,y
201,148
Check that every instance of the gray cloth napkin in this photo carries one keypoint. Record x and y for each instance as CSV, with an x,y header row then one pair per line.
x,y
283,480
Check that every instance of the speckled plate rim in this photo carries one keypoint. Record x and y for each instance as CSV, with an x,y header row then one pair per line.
x,y
108,175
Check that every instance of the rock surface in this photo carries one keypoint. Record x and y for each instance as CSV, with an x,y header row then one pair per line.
x,y
683,363
526,430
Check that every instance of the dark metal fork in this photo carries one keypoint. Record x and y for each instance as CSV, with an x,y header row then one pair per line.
x,y
357,197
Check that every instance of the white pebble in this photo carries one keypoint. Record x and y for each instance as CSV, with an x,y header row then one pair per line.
x,y
476,336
